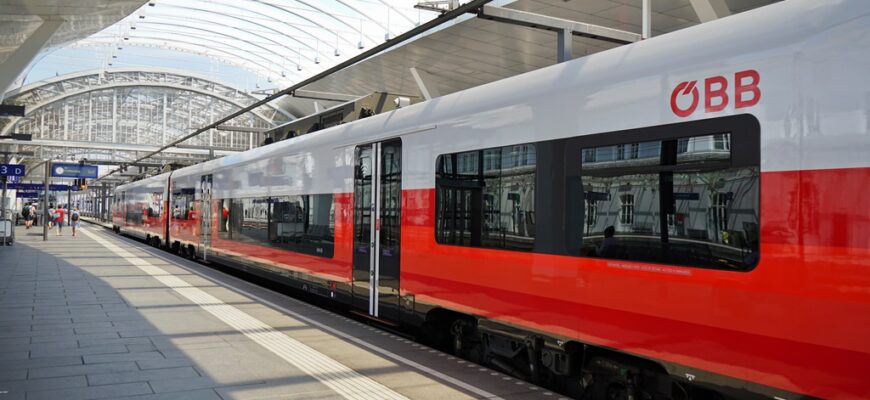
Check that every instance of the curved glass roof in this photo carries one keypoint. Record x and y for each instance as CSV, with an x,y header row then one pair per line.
x,y
276,42
117,116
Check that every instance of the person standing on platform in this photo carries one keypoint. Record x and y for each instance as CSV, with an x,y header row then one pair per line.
x,y
74,220
27,213
60,213
52,215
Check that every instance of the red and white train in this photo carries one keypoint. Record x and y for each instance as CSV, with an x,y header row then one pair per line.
x,y
684,217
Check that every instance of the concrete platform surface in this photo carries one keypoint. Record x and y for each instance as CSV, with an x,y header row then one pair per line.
x,y
100,316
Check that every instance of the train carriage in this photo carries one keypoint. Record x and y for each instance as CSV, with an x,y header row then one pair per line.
x,y
679,218
140,209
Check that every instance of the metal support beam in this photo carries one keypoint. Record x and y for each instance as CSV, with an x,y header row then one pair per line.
x,y
554,24
114,162
45,198
426,84
242,129
564,45
21,58
709,10
119,146
646,24
163,132
114,116
315,95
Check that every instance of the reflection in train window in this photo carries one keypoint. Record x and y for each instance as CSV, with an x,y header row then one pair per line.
x,y
304,224
486,198
679,201
183,204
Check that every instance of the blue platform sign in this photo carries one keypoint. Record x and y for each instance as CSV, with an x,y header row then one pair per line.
x,y
37,187
62,170
687,196
27,195
12,169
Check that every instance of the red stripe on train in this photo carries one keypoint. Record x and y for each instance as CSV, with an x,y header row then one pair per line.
x,y
799,321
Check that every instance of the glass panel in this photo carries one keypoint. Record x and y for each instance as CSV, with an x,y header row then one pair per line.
x,y
362,225
625,223
391,196
254,226
701,149
362,199
303,224
490,200
621,156
715,219
183,201
695,210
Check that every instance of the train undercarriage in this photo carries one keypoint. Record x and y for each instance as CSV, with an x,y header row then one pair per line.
x,y
575,369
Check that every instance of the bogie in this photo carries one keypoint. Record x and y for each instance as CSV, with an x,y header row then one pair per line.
x,y
575,369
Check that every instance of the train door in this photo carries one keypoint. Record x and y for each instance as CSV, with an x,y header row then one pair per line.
x,y
205,214
122,210
377,222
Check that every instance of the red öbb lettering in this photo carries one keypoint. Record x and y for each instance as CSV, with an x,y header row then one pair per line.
x,y
685,89
746,82
746,93
719,93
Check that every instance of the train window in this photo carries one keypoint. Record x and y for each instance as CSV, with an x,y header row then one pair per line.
x,y
183,205
679,200
304,224
486,198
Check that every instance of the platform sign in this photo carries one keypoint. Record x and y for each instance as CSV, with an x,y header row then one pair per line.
x,y
37,187
11,110
12,169
27,195
687,196
62,170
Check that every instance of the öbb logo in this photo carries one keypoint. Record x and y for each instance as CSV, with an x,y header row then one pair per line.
x,y
746,93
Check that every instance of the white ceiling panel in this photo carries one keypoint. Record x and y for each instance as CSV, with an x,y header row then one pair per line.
x,y
475,51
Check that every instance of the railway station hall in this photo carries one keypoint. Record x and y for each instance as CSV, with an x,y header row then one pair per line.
x,y
434,199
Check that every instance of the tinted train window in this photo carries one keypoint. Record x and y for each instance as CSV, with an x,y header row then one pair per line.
x,y
486,198
183,204
304,224
674,201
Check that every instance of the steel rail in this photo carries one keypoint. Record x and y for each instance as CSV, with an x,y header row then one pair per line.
x,y
472,6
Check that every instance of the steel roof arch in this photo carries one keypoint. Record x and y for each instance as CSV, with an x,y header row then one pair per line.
x,y
272,40
267,50
266,69
310,20
39,104
343,22
264,15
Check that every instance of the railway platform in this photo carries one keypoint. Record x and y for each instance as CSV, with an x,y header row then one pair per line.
x,y
102,316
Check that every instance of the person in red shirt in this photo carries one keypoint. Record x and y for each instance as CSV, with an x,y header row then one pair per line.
x,y
61,213
225,213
